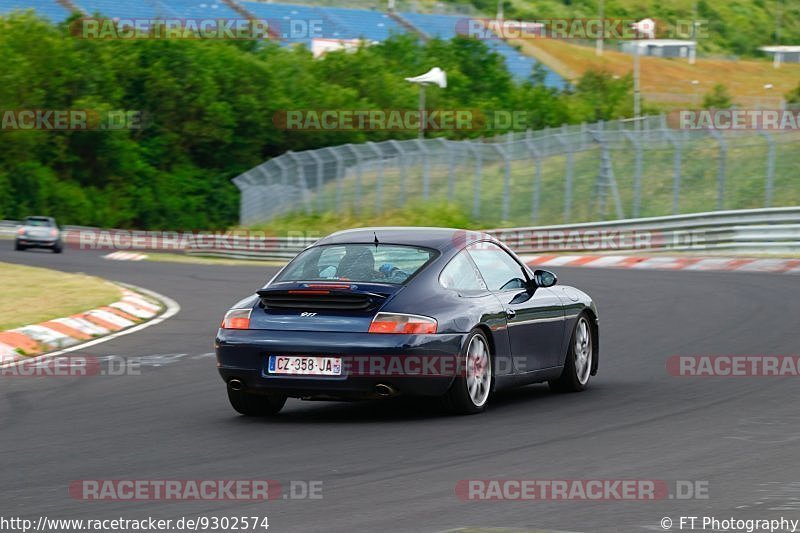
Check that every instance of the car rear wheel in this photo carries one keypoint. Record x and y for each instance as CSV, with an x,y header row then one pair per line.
x,y
471,389
255,404
580,357
57,249
18,247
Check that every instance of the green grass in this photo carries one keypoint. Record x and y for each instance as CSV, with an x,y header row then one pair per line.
x,y
29,295
416,213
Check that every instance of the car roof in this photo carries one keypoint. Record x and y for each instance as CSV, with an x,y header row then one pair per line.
x,y
441,239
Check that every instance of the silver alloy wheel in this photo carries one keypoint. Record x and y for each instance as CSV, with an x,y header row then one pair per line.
x,y
583,350
479,371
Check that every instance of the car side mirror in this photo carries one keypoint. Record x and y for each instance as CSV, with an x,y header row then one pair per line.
x,y
544,278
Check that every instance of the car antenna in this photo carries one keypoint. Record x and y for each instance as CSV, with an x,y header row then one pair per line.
x,y
376,241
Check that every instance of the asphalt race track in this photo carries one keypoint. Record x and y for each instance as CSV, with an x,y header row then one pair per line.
x,y
393,466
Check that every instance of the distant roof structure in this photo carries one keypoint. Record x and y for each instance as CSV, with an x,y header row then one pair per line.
x,y
781,49
662,42
782,53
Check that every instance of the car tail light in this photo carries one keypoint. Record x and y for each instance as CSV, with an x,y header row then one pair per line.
x,y
236,319
54,233
400,323
21,231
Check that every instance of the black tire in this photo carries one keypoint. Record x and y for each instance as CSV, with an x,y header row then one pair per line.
x,y
575,376
18,247
57,249
458,399
256,404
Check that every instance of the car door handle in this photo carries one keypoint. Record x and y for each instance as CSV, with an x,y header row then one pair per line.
x,y
510,313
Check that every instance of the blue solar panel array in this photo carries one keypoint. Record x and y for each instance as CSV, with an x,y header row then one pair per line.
x,y
48,8
150,9
448,26
297,23
357,23
294,23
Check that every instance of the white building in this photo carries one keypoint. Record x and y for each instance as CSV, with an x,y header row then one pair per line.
x,y
782,54
662,48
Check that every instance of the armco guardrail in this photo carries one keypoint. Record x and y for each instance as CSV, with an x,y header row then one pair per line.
x,y
775,230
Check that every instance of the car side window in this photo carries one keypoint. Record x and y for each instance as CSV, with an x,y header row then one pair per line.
x,y
500,271
460,274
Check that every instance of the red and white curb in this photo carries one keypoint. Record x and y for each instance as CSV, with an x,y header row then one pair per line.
x,y
711,264
125,256
137,309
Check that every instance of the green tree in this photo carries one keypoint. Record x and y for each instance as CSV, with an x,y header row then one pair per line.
x,y
718,98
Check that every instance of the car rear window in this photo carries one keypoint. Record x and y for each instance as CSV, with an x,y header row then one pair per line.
x,y
38,221
382,263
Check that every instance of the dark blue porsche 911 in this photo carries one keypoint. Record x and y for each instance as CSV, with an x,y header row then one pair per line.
x,y
380,312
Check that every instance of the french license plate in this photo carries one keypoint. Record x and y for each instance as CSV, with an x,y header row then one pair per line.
x,y
304,365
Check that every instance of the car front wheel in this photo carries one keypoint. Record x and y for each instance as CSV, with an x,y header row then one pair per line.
x,y
580,357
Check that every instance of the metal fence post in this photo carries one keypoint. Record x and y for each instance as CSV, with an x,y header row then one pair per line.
x,y
426,178
506,180
339,178
280,162
676,176
451,172
401,156
537,180
723,155
476,198
318,162
379,184
567,180
606,180
769,182
584,131
359,172
301,174
637,174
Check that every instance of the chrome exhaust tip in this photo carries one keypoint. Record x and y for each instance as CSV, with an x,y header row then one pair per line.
x,y
235,384
384,391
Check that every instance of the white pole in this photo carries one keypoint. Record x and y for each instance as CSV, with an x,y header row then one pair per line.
x,y
421,110
636,94
599,45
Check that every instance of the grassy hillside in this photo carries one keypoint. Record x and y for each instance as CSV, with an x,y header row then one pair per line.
x,y
735,26
668,82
